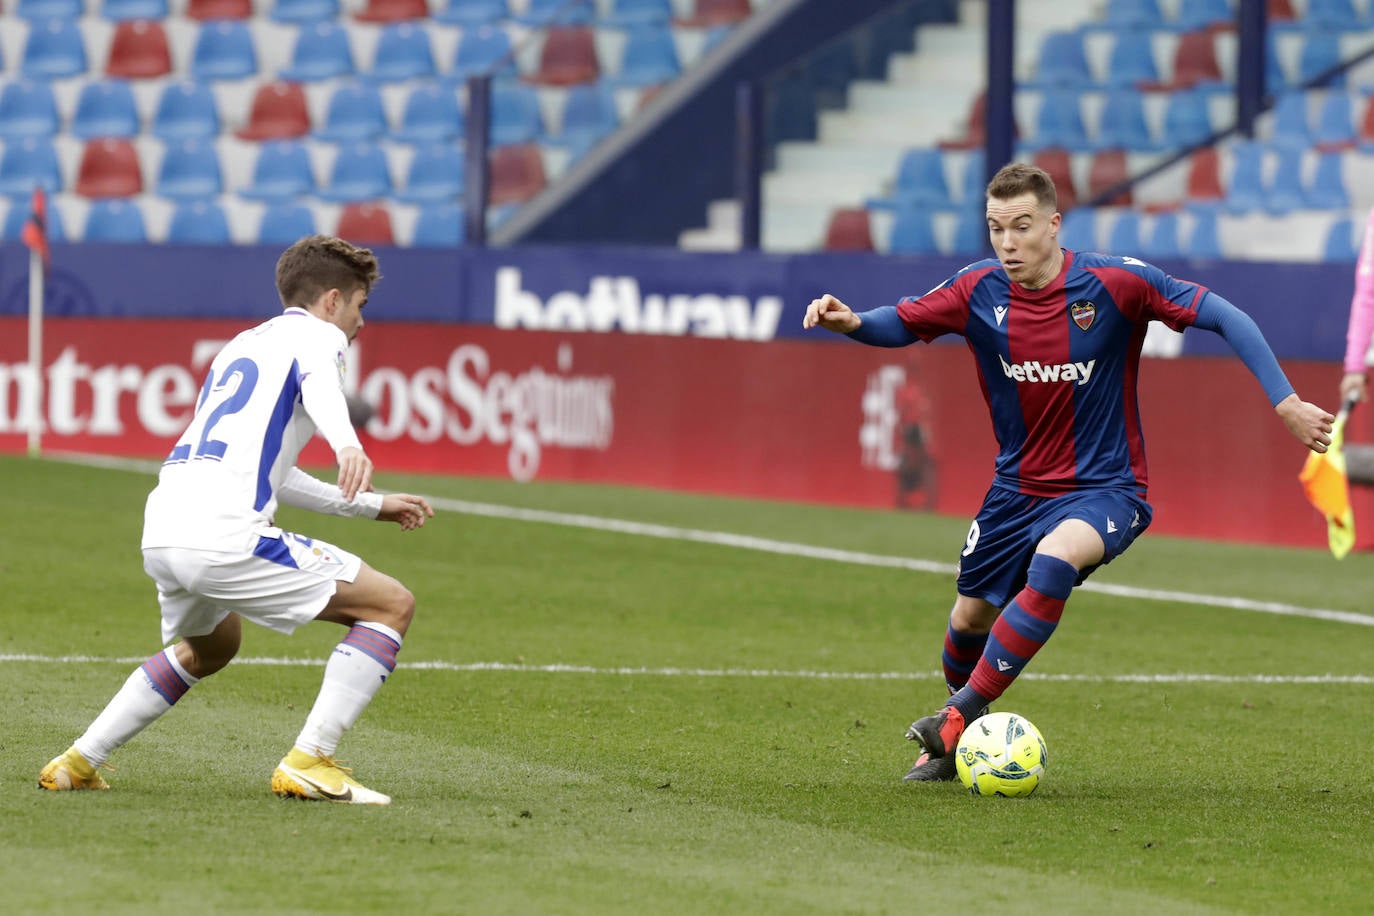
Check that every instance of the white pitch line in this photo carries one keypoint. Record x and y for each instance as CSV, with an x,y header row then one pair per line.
x,y
788,548
630,671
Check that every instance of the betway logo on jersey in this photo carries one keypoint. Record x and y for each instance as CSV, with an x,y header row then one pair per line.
x,y
615,303
1035,371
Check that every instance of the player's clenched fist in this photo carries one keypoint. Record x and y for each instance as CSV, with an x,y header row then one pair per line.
x,y
831,314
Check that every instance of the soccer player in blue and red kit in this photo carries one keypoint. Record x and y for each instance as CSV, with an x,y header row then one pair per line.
x,y
1056,336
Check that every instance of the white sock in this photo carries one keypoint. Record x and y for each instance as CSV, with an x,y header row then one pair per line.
x,y
355,672
150,691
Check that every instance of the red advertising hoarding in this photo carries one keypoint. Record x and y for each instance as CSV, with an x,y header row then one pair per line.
x,y
820,421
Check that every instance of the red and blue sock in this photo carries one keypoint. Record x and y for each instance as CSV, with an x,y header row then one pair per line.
x,y
962,651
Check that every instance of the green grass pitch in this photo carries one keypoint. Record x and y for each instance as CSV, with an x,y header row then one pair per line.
x,y
601,721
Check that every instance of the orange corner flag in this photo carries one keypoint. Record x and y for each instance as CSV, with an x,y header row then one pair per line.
x,y
1324,481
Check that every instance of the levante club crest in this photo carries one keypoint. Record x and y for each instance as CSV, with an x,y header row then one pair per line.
x,y
1083,312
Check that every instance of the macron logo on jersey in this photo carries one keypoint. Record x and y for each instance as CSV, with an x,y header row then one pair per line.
x,y
1036,371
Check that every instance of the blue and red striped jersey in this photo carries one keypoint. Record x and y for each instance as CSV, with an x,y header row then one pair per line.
x,y
1058,365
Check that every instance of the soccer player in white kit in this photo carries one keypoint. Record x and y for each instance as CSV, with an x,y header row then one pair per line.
x,y
210,544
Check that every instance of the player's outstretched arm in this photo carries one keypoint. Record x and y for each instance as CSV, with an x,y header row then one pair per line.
x,y
832,314
405,509
1309,424
355,472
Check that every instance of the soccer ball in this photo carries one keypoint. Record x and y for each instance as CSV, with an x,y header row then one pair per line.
x,y
1001,754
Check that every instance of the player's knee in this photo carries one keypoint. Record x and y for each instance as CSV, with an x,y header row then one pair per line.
x,y
400,608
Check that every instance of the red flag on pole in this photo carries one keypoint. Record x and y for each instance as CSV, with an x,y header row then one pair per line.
x,y
35,232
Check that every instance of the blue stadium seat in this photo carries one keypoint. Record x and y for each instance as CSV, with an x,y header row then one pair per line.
x,y
115,219
282,171
1202,14
53,50
435,175
198,222
1335,127
1320,52
973,182
1328,188
18,215
470,13
1290,121
638,12
649,57
1134,14
1335,15
1339,246
1275,76
186,109
589,115
105,108
1131,60
1245,191
224,50
431,113
913,232
515,114
920,182
971,232
28,163
355,112
189,170
1187,118
124,10
285,222
28,109
1204,241
439,226
302,12
43,10
1123,124
1124,238
542,13
1062,62
1078,232
360,173
1285,192
321,52
403,53
1059,122
485,49
1163,240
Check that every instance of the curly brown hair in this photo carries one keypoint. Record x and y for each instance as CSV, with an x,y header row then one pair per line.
x,y
1017,178
316,264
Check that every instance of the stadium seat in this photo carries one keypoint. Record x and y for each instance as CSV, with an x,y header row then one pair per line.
x,y
43,10
53,50
1320,53
1062,62
1286,192
973,183
205,10
1245,191
626,13
1060,166
483,50
435,175
1203,187
321,52
105,108
282,171
1328,189
198,222
515,114
29,163
439,226
1107,170
1334,130
1280,12
27,109
1204,242
115,220
544,13
710,13
848,230
589,115
1124,238
516,173
920,182
1195,62
1078,232
1339,246
1059,122
1163,240
1290,128
1334,15
355,112
1365,140
139,50
1187,118
365,224
568,56
285,222
393,11
360,172
472,13
1123,124
403,53
127,10
913,232
224,50
649,57
184,110
109,168
1134,14
1131,61
189,170
279,112
18,215
1203,14
301,12
970,232
431,114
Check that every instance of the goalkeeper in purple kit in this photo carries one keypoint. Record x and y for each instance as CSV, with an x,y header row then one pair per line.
x,y
1056,336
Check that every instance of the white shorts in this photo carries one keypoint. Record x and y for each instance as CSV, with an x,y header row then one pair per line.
x,y
285,582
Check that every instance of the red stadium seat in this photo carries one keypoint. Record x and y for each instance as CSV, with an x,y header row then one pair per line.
x,y
517,173
393,11
709,13
1107,170
1058,163
1204,175
109,168
567,58
1195,60
139,50
849,230
220,9
279,112
365,224
1280,11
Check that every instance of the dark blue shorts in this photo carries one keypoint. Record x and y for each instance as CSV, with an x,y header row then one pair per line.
x,y
1009,525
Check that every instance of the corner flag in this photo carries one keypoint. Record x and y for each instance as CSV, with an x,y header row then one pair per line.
x,y
35,232
1324,481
